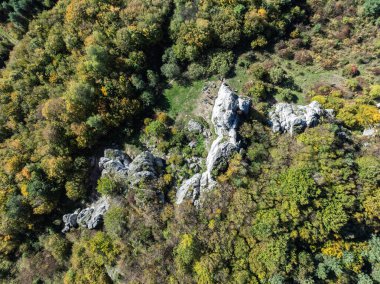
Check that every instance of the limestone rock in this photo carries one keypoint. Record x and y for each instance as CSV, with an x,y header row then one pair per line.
x,y
90,217
114,162
369,132
194,126
292,118
144,167
189,189
226,115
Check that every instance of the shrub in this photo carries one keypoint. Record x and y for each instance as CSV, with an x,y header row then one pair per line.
x,y
353,85
258,91
57,245
277,75
372,8
374,92
303,57
171,71
287,95
156,128
107,185
286,53
115,221
351,71
258,72
221,63
196,71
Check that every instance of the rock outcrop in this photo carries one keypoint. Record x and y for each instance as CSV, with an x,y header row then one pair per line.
x,y
194,126
369,132
90,217
226,115
144,167
114,162
292,118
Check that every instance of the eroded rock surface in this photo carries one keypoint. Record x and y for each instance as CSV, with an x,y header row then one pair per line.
x,y
90,217
226,115
292,118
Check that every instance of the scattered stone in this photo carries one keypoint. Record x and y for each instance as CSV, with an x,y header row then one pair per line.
x,y
192,144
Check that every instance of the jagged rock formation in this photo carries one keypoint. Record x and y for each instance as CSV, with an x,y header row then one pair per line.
x,y
295,118
90,217
114,162
226,115
144,167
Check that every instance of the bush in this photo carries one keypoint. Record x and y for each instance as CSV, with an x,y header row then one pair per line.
x,y
156,129
171,71
351,71
258,91
57,245
287,95
353,85
303,57
115,221
258,72
196,71
107,185
374,92
277,75
221,63
372,8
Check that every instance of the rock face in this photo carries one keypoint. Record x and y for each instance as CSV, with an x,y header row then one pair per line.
x,y
226,115
90,217
294,118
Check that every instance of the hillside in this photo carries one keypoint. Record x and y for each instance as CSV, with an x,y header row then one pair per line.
x,y
190,141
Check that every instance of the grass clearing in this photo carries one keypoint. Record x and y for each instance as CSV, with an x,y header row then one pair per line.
x,y
182,98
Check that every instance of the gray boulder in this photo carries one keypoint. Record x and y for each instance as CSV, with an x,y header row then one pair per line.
x,y
190,189
291,118
369,132
194,126
90,217
144,167
114,162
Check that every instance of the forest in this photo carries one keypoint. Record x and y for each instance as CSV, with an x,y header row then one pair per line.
x,y
79,77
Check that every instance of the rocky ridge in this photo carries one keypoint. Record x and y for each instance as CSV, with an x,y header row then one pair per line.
x,y
226,116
